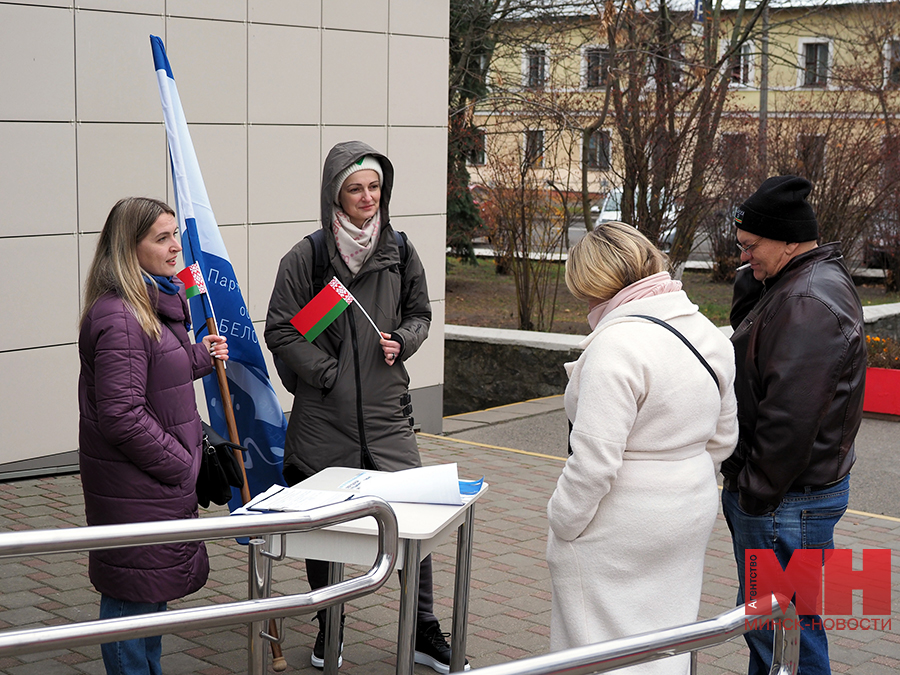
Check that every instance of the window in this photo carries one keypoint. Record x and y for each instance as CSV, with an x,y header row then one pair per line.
x,y
676,56
890,207
598,151
733,149
893,63
741,63
811,156
476,149
815,64
662,65
596,67
890,148
534,149
535,68
484,64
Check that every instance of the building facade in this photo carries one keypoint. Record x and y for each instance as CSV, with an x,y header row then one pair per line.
x,y
268,87
668,110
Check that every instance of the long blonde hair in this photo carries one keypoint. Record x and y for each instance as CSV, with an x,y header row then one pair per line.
x,y
609,258
116,268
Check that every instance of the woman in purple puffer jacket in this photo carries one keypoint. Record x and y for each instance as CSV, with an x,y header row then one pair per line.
x,y
139,430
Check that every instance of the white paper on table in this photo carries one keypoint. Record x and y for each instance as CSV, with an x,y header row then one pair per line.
x,y
438,484
278,498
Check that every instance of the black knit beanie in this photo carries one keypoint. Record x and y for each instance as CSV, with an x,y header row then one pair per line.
x,y
778,210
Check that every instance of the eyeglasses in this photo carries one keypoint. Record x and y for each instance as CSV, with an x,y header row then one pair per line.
x,y
750,247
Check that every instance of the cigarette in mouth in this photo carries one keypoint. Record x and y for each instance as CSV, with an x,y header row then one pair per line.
x,y
742,267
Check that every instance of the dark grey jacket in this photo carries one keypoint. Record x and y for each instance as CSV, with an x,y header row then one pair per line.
x,y
348,403
801,364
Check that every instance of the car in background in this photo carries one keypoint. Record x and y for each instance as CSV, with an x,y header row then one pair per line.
x,y
611,209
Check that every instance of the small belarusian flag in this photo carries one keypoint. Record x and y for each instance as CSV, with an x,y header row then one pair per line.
x,y
319,313
192,278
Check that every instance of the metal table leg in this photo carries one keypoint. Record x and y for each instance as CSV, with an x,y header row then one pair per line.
x,y
461,591
409,604
333,623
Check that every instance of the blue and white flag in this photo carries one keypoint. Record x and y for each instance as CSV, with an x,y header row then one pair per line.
x,y
260,421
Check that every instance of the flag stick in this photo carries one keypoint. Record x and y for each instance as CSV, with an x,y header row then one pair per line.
x,y
184,204
356,302
279,663
229,413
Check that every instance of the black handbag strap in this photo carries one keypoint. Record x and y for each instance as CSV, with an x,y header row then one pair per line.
x,y
681,337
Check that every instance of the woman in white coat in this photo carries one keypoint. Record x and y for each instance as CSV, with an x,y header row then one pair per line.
x,y
637,499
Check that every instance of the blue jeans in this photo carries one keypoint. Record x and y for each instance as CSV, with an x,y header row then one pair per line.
x,y
140,656
804,519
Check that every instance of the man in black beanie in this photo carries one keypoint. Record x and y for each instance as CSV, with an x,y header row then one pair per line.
x,y
801,362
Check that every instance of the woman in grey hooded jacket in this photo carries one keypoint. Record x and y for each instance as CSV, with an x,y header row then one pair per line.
x,y
350,385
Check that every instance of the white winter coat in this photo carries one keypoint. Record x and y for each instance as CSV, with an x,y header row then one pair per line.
x,y
636,502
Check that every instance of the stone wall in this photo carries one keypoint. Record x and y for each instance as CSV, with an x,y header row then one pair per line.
x,y
883,321
489,367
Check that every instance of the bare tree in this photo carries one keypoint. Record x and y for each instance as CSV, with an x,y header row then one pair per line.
x,y
686,137
527,225
475,26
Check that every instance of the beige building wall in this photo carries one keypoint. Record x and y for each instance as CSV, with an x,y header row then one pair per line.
x,y
268,86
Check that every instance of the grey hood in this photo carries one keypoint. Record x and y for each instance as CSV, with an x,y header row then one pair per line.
x,y
339,158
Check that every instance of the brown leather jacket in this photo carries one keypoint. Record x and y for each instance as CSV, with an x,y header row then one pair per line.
x,y
801,363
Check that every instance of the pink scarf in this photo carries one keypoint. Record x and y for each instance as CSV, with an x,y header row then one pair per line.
x,y
655,284
355,244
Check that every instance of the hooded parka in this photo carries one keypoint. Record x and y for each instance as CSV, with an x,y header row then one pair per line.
x,y
139,444
350,407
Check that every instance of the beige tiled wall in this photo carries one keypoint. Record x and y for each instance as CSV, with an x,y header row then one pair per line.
x,y
268,86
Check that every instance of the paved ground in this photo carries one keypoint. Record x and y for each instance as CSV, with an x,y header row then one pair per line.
x,y
510,595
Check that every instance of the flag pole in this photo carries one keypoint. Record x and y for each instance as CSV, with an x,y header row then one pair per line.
x,y
185,209
361,309
230,422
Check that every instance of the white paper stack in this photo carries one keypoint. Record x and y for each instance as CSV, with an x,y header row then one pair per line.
x,y
438,484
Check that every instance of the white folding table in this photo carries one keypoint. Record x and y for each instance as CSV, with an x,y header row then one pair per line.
x,y
422,527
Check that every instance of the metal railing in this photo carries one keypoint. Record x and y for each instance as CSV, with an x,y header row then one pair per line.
x,y
614,654
254,611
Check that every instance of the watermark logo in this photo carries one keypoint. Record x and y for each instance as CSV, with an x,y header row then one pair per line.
x,y
819,581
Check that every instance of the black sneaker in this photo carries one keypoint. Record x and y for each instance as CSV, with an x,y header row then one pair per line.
x,y
432,649
318,654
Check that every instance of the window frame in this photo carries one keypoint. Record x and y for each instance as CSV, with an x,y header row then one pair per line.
x,y
730,171
892,62
802,46
478,148
531,161
823,159
527,70
586,67
595,154
746,61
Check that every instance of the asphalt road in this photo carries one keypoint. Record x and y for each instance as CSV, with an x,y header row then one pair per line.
x,y
874,479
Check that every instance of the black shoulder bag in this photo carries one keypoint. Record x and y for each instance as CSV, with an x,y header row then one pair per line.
x,y
219,469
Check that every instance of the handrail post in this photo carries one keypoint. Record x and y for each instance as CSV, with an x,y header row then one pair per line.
x,y
259,582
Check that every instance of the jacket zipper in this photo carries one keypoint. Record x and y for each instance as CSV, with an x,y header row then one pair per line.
x,y
360,419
